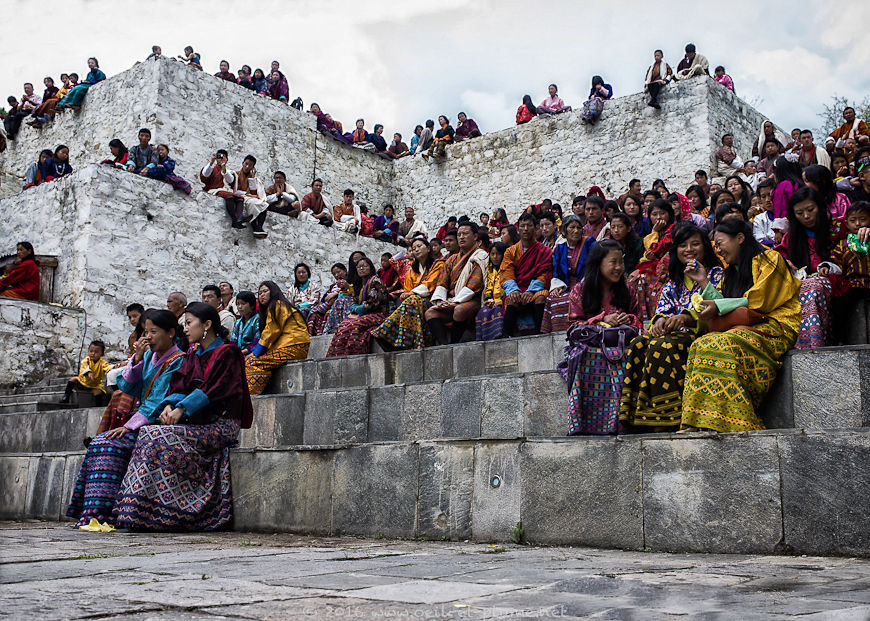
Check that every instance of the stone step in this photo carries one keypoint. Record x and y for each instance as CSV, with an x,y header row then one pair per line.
x,y
474,359
748,493
41,395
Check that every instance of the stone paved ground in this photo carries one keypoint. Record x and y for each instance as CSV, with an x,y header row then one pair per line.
x,y
48,571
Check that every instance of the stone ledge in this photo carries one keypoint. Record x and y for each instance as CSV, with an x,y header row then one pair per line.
x,y
761,492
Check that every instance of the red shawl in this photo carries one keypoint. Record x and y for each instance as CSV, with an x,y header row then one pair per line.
x,y
659,249
535,260
23,280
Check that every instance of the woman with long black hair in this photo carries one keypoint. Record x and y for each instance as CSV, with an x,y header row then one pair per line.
x,y
283,337
527,111
368,311
21,281
729,371
656,362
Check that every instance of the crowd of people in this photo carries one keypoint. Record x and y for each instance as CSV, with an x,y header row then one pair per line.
x,y
677,306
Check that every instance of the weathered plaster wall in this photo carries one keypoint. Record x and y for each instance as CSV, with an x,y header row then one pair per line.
x,y
39,341
121,238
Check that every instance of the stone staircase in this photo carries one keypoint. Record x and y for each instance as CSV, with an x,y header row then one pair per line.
x,y
466,441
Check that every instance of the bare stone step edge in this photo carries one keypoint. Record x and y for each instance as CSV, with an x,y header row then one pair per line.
x,y
748,493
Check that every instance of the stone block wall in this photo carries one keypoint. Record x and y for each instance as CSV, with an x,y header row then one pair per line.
x,y
39,341
121,238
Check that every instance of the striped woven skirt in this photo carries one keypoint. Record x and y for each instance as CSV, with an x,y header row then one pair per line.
x,y
728,374
815,298
594,393
121,407
179,478
339,311
489,323
258,370
354,334
654,375
556,313
100,477
646,288
406,328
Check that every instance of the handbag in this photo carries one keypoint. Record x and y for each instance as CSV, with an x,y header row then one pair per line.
x,y
593,368
742,317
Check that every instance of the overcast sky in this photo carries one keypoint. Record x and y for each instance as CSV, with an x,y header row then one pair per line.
x,y
401,62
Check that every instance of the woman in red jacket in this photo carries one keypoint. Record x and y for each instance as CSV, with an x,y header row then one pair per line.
x,y
22,279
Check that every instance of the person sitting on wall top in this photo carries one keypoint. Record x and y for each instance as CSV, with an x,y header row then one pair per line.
x,y
443,137
313,206
398,148
58,165
692,64
552,104
143,154
120,155
191,58
346,215
33,173
527,111
377,138
658,74
259,82
361,138
164,170
156,52
282,198
45,112
249,194
21,280
594,105
279,88
225,73
466,128
723,78
76,95
244,79
415,139
426,137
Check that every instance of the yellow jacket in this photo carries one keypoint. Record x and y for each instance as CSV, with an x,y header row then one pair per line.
x,y
99,369
289,329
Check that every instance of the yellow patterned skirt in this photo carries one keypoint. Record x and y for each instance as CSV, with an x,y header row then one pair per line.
x,y
258,371
653,388
729,373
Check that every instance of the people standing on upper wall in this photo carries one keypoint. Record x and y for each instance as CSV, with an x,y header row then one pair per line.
x,y
527,111
692,64
77,94
658,74
466,128
21,279
723,78
553,104
598,94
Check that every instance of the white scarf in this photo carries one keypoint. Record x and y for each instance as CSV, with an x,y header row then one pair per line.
x,y
479,257
663,73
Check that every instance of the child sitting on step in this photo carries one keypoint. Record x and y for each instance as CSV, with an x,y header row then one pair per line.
x,y
92,375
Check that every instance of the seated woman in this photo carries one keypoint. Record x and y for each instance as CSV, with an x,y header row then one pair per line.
x,y
696,195
553,104
656,362
569,265
120,154
389,275
145,380
260,83
279,89
728,373
807,248
76,95
164,170
317,313
406,328
341,307
386,227
56,166
179,473
820,179
369,310
594,105
361,136
304,294
741,191
46,111
33,173
632,245
594,379
640,223
647,280
465,128
283,337
498,220
490,318
509,235
246,329
527,111
21,280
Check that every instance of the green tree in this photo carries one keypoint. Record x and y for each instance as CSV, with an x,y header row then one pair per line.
x,y
831,116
